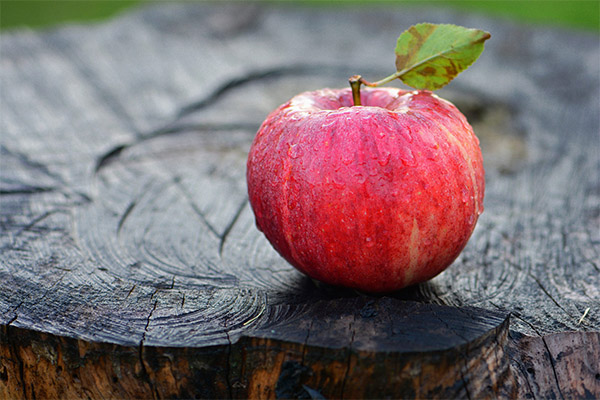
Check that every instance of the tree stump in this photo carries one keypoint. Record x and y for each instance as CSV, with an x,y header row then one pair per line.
x,y
130,265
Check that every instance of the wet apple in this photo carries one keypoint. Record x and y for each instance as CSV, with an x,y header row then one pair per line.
x,y
374,197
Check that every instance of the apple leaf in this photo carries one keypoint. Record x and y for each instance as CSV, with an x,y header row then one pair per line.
x,y
429,56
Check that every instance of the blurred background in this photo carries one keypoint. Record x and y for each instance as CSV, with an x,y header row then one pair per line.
x,y
574,14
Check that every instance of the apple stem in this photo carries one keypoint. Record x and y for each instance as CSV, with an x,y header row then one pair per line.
x,y
355,82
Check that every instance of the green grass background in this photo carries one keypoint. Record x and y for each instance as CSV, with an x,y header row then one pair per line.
x,y
577,14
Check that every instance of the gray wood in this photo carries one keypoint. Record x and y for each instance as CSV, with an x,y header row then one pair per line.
x,y
123,206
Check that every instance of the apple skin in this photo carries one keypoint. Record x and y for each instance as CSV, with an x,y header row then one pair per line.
x,y
374,197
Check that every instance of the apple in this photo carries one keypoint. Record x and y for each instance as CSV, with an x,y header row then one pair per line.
x,y
374,197
374,190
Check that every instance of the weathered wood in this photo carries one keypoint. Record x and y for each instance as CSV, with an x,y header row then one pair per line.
x,y
130,265
339,348
560,365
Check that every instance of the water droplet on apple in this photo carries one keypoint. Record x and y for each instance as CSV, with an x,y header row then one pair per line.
x,y
427,241
328,124
294,117
431,154
295,151
471,219
406,134
347,157
384,158
372,169
338,181
381,134
465,195
479,208
407,157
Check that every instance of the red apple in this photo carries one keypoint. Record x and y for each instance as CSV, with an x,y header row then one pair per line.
x,y
374,197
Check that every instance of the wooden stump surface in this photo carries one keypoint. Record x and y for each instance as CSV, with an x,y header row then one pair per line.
x,y
130,264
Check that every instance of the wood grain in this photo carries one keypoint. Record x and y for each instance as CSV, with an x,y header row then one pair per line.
x,y
128,244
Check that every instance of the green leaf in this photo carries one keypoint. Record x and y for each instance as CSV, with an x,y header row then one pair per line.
x,y
429,56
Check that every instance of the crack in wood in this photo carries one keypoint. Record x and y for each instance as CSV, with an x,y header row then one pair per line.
x,y
517,363
27,190
464,350
352,328
188,197
13,319
547,293
51,288
228,364
145,373
550,357
305,343
16,354
259,75
22,373
464,381
539,283
109,156
229,227
130,291
497,346
113,154
125,215
34,222
149,317
34,165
